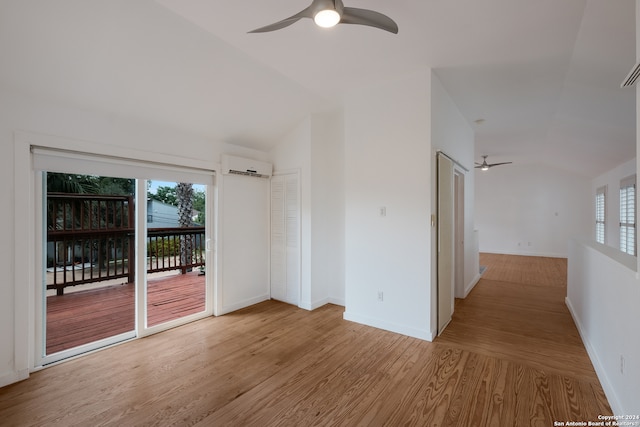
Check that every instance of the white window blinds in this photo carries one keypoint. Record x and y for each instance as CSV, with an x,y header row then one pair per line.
x,y
54,160
628,215
600,214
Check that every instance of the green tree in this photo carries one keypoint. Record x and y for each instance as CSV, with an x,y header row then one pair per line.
x,y
89,184
166,195
199,197
70,183
116,186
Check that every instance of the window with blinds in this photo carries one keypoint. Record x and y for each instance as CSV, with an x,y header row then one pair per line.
x,y
628,215
600,214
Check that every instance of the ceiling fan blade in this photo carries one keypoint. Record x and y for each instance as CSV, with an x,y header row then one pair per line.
x,y
285,22
352,15
498,164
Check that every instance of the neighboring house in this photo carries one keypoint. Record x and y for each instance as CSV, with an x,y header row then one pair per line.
x,y
164,215
161,215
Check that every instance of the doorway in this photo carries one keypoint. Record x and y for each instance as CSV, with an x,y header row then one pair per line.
x,y
450,236
124,250
459,230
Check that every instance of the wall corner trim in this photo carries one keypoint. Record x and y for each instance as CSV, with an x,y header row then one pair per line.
x,y
422,334
471,285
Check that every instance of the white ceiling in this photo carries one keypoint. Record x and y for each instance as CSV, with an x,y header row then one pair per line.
x,y
544,74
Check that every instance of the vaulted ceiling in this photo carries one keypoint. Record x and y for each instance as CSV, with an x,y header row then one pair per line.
x,y
544,75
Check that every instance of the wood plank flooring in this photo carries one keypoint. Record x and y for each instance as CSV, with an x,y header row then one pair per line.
x,y
518,312
276,365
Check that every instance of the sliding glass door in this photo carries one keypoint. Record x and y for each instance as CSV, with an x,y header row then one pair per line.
x,y
176,252
123,254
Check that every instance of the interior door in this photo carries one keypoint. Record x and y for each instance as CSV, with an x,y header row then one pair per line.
x,y
446,241
285,238
459,233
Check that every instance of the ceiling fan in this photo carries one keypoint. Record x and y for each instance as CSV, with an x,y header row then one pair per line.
x,y
485,166
328,13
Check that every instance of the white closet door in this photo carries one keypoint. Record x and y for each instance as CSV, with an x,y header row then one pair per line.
x,y
446,254
285,238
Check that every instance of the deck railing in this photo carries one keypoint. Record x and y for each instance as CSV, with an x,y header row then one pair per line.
x,y
91,238
175,249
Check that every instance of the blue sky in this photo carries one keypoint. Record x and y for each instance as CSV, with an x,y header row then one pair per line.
x,y
153,188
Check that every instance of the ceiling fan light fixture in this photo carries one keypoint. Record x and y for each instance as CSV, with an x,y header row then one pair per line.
x,y
484,166
328,13
327,18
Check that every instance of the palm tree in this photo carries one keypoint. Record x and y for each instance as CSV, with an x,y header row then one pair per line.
x,y
184,196
70,183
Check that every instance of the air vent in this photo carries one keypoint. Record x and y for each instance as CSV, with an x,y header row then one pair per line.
x,y
248,167
632,77
247,173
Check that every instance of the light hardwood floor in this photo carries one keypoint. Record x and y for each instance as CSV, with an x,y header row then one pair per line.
x,y
511,357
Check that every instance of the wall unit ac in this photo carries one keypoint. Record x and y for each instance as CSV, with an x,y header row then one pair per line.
x,y
242,166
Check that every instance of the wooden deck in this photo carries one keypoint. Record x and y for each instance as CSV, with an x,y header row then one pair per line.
x,y
85,316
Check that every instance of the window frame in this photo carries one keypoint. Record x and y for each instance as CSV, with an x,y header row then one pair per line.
x,y
628,242
601,215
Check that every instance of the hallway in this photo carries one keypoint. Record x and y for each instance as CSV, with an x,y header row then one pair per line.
x,y
517,313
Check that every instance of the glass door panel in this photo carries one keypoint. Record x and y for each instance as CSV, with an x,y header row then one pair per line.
x,y
176,253
89,257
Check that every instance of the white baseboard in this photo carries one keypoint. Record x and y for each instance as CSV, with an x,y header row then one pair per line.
x,y
337,301
391,327
609,391
472,285
13,377
525,253
310,306
317,304
243,304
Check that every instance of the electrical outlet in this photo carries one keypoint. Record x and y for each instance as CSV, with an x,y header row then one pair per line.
x,y
383,211
622,364
380,296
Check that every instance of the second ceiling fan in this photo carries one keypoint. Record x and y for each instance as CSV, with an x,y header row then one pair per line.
x,y
485,166
328,13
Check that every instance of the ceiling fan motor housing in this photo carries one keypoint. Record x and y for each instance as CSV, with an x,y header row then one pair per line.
x,y
320,5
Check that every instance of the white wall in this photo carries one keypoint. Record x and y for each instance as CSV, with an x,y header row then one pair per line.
x,y
315,148
327,205
603,292
388,164
531,210
452,134
611,180
603,296
243,255
91,132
